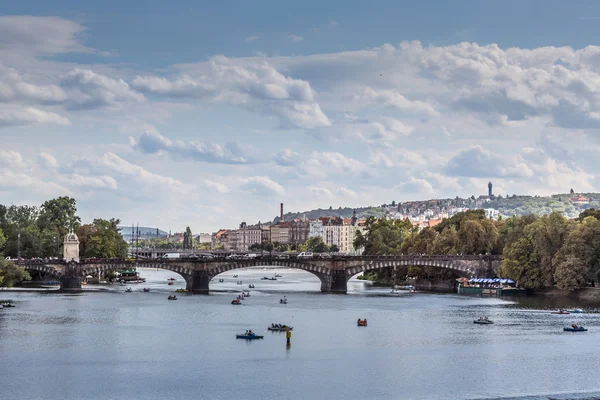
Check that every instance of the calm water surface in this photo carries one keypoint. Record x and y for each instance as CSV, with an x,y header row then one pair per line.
x,y
117,345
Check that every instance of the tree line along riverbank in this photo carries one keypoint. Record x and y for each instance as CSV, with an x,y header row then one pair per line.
x,y
539,252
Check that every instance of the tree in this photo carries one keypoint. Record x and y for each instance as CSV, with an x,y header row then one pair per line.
x,y
2,242
256,247
101,239
188,239
317,245
393,203
59,215
335,248
10,273
590,212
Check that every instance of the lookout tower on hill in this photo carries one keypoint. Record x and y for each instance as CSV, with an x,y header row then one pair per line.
x,y
490,189
71,247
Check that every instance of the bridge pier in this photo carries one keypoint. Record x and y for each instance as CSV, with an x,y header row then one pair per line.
x,y
71,280
198,282
335,283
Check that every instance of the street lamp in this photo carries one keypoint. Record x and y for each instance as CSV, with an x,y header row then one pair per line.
x,y
18,246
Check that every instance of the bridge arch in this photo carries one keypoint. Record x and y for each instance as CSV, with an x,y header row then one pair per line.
x,y
321,272
46,269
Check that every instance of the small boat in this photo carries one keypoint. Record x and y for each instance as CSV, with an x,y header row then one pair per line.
x,y
575,311
244,294
221,280
146,289
282,301
239,282
236,302
280,328
171,279
264,278
7,305
361,322
483,321
575,328
394,291
235,276
250,286
182,290
277,276
170,283
172,298
273,279
252,336
128,289
561,312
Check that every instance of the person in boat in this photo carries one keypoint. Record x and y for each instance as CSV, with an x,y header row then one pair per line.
x,y
574,326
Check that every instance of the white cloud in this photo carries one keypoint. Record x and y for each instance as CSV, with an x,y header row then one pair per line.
x,y
152,142
262,186
11,159
295,38
100,182
43,35
393,98
48,161
250,39
17,116
415,186
254,85
475,161
88,89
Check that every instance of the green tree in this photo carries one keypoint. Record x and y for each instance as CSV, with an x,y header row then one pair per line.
x,y
2,242
577,256
10,273
188,239
446,242
101,239
59,215
335,248
317,245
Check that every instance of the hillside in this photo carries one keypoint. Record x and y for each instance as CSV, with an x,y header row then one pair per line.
x,y
506,206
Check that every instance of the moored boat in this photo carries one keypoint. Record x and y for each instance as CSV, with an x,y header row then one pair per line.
x,y
483,321
361,322
236,302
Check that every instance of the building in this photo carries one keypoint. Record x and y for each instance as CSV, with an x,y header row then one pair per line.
x,y
490,190
315,228
218,239
204,238
299,230
247,236
491,213
579,199
281,233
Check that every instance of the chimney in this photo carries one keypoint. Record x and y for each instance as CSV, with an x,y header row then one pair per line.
x,y
281,213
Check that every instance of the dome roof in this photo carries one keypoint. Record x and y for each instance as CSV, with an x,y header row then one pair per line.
x,y
71,237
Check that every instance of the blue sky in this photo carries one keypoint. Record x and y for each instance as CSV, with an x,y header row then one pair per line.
x,y
209,114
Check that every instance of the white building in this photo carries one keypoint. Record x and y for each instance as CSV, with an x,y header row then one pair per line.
x,y
247,236
315,228
491,213
204,238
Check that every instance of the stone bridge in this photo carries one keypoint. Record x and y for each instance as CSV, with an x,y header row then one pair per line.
x,y
333,273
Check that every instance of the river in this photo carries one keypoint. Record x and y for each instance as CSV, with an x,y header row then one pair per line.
x,y
118,345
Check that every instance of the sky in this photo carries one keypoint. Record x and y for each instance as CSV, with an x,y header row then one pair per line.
x,y
207,114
